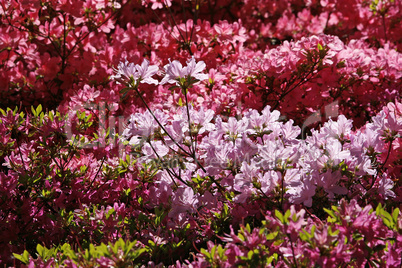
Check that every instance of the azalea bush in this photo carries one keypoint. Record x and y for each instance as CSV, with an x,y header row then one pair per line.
x,y
200,133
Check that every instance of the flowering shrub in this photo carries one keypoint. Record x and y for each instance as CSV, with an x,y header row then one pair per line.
x,y
350,236
197,134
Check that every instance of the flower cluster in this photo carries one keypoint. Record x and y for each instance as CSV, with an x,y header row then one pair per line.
x,y
349,237
201,181
258,156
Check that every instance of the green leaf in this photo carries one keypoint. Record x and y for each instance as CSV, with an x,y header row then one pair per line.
x,y
129,246
33,111
93,251
221,252
378,209
279,215
151,243
87,118
270,259
51,116
66,250
395,215
23,258
241,237
287,215
87,255
40,250
333,233
198,179
103,250
225,211
272,235
119,244
125,90
205,253
306,236
386,217
39,109
248,228
137,253
110,212
332,217
213,250
173,88
250,254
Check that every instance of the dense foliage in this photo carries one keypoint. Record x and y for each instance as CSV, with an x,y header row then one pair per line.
x,y
211,133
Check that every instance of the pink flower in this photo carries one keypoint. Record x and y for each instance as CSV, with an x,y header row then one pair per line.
x,y
330,182
125,71
183,201
203,119
234,129
175,71
128,73
194,69
154,149
385,186
301,190
338,129
141,126
146,71
157,4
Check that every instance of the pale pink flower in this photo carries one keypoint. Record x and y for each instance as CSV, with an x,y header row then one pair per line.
x,y
175,71
235,129
183,201
142,126
146,71
195,69
154,149
127,72
384,187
